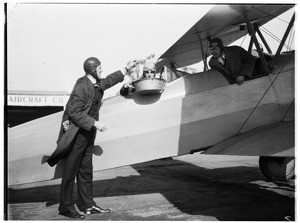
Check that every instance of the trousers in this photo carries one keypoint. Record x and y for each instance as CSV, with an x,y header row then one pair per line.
x,y
78,165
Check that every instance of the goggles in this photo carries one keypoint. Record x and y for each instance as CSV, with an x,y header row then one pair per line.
x,y
149,71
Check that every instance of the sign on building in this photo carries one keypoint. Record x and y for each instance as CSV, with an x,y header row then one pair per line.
x,y
37,99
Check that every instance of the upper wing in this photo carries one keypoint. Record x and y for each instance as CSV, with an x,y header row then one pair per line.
x,y
272,140
223,21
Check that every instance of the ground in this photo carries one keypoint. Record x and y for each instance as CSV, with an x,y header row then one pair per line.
x,y
190,187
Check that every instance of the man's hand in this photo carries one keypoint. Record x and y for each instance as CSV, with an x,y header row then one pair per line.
x,y
128,85
240,79
100,126
66,125
131,64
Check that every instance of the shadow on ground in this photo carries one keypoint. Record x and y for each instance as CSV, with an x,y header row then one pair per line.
x,y
225,193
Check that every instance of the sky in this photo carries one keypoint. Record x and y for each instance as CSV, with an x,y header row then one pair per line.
x,y
48,43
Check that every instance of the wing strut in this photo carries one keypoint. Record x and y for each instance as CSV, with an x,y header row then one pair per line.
x,y
274,60
262,38
252,33
203,55
250,45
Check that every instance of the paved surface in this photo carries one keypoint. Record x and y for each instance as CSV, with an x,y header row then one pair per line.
x,y
190,187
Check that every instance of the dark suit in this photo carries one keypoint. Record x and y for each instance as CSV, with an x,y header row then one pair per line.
x,y
237,62
77,143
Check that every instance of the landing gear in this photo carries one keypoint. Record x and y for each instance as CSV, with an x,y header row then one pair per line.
x,y
277,168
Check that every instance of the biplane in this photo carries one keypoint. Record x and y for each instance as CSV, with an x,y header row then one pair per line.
x,y
200,112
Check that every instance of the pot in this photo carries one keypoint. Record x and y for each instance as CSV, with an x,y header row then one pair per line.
x,y
149,86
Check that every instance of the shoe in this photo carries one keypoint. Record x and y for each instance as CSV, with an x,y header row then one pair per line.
x,y
72,214
96,210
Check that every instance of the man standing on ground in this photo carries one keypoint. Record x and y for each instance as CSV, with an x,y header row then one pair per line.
x,y
81,120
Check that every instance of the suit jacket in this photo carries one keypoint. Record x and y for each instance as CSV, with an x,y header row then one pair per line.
x,y
77,109
237,62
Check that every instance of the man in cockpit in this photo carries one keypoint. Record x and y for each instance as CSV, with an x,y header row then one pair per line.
x,y
234,61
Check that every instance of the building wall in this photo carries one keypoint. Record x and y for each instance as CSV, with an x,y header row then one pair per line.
x,y
23,106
